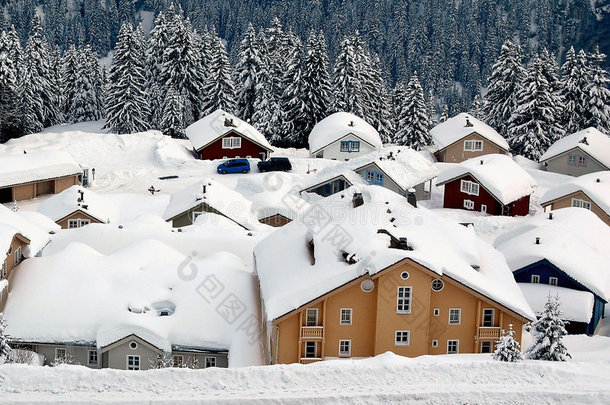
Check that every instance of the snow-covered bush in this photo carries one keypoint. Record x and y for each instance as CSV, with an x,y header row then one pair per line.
x,y
549,330
507,348
4,347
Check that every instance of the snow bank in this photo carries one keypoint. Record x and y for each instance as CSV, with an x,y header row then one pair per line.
x,y
590,141
65,203
595,185
455,128
499,174
37,232
339,124
29,167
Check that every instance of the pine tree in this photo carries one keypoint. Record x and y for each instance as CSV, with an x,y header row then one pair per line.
x,y
413,119
347,85
172,122
445,114
249,70
5,349
476,109
399,97
10,106
381,109
500,101
573,86
598,112
219,90
86,102
317,92
126,99
69,73
549,331
508,348
535,124
156,88
293,131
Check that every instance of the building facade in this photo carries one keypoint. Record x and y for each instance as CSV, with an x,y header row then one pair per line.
x,y
577,199
471,146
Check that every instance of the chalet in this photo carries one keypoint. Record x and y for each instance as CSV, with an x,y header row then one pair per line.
x,y
378,275
492,184
221,135
210,196
132,309
464,137
343,136
29,175
583,152
590,191
78,206
396,168
563,253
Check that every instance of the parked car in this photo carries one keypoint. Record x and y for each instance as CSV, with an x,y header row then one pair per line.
x,y
275,164
234,166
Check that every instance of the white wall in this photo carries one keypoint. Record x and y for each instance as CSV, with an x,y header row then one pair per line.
x,y
333,151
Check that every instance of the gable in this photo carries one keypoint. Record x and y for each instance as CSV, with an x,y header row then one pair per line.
x,y
78,214
475,136
374,167
128,339
575,149
234,133
346,137
325,182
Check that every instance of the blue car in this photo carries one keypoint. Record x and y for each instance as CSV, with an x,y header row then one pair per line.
x,y
234,166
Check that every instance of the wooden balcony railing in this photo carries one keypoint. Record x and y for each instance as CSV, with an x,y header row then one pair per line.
x,y
489,332
312,332
309,360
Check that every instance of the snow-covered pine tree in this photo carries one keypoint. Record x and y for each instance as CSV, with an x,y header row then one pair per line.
x,y
534,126
347,86
10,106
550,70
158,42
500,101
598,111
249,71
445,114
127,109
219,90
31,106
293,132
68,78
399,97
317,91
86,103
476,108
572,91
508,348
5,349
413,126
549,331
381,109
275,41
172,122
431,108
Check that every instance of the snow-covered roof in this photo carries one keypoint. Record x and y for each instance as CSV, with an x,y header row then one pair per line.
x,y
30,226
339,124
575,305
212,127
29,167
219,197
65,203
288,279
330,173
590,140
104,298
456,128
499,174
575,241
597,191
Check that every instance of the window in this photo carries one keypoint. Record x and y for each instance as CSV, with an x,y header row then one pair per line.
x,y
467,145
486,347
437,284
483,208
231,142
582,161
60,354
404,275
469,187
435,343
402,338
72,223
572,159
3,270
576,202
436,311
350,146
478,145
367,285
374,177
553,280
84,222
133,362
403,301
311,349
210,362
453,346
196,215
311,317
469,204
345,348
17,255
455,316
133,345
93,357
488,316
535,278
177,360
346,316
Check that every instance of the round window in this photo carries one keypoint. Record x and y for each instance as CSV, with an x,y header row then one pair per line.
x,y
133,345
367,285
437,284
404,275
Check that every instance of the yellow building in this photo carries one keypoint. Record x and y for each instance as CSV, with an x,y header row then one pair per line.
x,y
382,276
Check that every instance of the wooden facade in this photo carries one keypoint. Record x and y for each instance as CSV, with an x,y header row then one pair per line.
x,y
27,191
14,255
566,202
451,319
456,153
248,149
79,216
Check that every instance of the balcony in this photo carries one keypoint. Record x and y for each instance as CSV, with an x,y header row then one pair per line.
x,y
309,360
489,332
312,332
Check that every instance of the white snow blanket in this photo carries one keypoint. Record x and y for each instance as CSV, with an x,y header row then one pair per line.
x,y
32,225
595,185
499,174
456,128
576,306
29,167
339,124
65,203
590,141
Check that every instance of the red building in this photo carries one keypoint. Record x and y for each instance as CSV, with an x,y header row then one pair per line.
x,y
492,184
221,135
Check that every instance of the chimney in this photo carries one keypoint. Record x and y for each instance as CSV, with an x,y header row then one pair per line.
x,y
584,140
402,243
229,122
550,215
82,196
481,161
598,180
537,240
468,123
204,189
351,123
357,200
411,198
